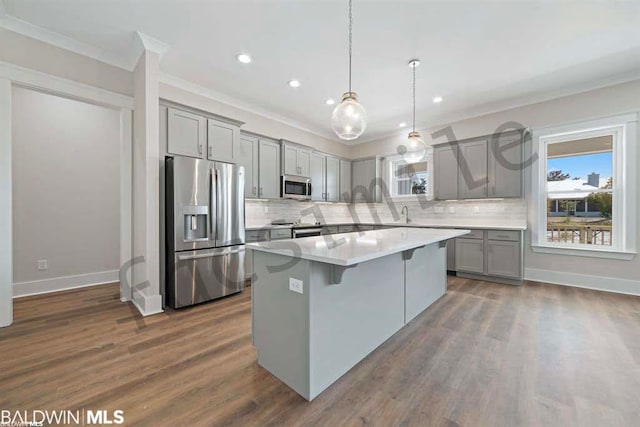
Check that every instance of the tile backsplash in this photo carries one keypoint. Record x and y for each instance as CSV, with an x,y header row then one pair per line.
x,y
261,212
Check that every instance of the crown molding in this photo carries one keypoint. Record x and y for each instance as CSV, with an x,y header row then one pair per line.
x,y
142,42
185,85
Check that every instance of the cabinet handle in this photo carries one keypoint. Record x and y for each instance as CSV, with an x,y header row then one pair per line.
x,y
199,148
254,191
260,193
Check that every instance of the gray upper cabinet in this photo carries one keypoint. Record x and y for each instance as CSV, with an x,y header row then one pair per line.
x,y
503,259
472,169
187,133
445,170
222,141
295,160
247,156
345,181
269,169
469,255
363,181
332,191
290,159
505,167
317,170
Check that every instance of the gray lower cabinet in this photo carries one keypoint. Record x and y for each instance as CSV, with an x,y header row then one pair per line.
x,y
187,133
470,255
495,254
269,169
251,236
445,170
472,170
222,141
503,259
247,156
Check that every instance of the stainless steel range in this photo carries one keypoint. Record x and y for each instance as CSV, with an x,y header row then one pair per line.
x,y
205,230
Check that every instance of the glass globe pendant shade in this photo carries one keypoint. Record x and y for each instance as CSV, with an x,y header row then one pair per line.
x,y
416,148
349,118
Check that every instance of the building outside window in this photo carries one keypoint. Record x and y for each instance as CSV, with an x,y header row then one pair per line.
x,y
408,179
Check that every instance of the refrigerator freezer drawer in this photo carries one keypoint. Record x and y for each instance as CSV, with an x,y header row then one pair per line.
x,y
206,274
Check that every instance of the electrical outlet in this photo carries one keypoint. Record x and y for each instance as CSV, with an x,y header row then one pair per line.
x,y
476,209
452,209
266,209
296,285
43,264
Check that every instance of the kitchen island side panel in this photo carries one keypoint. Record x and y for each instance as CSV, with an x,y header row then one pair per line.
x,y
426,279
351,319
281,318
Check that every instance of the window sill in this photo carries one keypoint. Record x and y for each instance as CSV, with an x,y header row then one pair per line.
x,y
584,252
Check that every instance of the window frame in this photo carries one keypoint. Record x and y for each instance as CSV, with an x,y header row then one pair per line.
x,y
623,130
391,161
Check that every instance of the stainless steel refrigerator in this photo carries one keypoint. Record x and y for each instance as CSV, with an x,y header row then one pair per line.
x,y
204,230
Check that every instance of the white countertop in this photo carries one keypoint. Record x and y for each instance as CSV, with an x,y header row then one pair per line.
x,y
439,223
353,248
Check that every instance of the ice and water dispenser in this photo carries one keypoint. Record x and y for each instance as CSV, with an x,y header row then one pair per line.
x,y
196,220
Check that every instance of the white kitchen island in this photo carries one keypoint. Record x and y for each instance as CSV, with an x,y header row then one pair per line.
x,y
322,304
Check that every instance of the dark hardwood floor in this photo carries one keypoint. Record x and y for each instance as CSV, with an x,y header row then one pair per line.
x,y
483,355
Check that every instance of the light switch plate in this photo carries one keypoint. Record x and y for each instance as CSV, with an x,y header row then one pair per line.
x,y
42,264
476,209
296,285
438,209
452,209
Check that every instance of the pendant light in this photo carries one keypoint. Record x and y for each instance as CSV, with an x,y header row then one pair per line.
x,y
349,118
416,148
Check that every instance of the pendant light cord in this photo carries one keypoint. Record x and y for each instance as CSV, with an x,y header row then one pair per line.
x,y
350,31
414,97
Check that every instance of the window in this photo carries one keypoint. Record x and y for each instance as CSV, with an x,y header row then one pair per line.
x,y
584,188
408,179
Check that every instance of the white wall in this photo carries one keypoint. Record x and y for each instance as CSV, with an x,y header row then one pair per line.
x,y
615,274
6,265
66,190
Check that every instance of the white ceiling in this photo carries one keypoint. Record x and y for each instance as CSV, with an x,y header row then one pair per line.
x,y
481,56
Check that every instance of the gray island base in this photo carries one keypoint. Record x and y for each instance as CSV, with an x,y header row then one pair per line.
x,y
322,304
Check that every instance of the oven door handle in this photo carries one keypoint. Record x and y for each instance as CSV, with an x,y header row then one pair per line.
x,y
208,255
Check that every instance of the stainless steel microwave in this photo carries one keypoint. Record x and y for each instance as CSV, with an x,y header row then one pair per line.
x,y
295,187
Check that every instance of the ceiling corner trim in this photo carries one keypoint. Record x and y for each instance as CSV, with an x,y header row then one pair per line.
x,y
28,29
148,43
187,86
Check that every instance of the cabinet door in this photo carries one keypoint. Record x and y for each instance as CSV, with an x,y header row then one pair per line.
x,y
269,170
187,133
248,157
503,259
451,255
470,255
363,173
472,171
290,159
345,181
222,140
445,168
317,173
332,193
304,157
505,167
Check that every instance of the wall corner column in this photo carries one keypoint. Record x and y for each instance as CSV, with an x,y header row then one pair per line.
x,y
146,293
6,226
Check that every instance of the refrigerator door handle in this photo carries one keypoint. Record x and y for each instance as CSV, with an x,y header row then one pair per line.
x,y
209,255
214,205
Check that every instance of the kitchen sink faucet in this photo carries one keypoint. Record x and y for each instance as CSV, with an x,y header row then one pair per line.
x,y
405,212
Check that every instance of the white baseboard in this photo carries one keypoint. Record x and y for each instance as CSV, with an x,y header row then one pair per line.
x,y
147,305
43,286
600,283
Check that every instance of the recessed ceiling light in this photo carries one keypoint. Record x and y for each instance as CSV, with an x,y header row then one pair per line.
x,y
244,58
437,99
294,83
330,101
402,125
